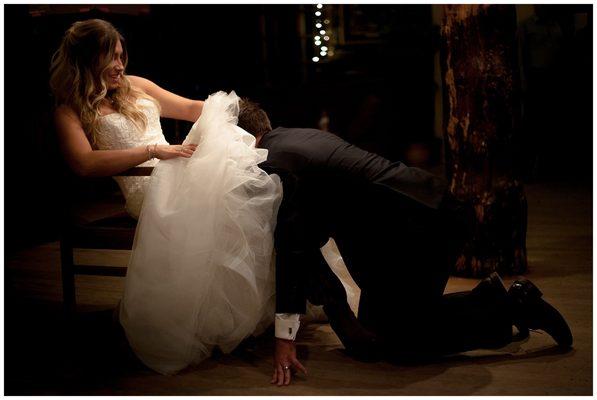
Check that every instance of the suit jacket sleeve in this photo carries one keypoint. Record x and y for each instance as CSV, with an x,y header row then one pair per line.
x,y
415,183
297,250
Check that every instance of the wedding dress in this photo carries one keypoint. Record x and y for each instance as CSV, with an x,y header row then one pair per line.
x,y
201,273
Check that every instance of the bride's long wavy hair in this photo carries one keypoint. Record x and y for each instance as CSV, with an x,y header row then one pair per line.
x,y
77,75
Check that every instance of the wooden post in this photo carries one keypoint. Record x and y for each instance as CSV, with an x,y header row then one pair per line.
x,y
481,114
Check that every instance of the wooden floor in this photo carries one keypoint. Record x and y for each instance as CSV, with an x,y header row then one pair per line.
x,y
44,356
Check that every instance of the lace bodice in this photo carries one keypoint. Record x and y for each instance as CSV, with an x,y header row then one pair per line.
x,y
117,132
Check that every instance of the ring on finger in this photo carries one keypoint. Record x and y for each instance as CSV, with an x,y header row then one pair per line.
x,y
286,368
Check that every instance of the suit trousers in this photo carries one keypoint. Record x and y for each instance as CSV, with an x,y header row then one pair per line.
x,y
401,253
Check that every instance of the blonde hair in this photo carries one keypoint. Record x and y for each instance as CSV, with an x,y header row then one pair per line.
x,y
77,75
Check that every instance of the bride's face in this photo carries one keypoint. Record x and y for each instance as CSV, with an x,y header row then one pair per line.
x,y
113,75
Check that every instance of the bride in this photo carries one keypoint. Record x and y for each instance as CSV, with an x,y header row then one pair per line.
x,y
200,274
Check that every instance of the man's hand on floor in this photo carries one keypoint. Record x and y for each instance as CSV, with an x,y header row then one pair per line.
x,y
285,362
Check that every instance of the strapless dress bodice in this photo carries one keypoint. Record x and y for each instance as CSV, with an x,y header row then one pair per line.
x,y
117,132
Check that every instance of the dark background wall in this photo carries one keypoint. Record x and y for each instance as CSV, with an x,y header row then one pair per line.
x,y
378,88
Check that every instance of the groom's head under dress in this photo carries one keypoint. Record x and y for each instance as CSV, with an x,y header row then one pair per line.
x,y
253,119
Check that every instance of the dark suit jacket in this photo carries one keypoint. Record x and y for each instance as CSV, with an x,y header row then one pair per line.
x,y
325,180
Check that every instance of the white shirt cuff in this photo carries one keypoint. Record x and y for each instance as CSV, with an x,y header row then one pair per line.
x,y
287,326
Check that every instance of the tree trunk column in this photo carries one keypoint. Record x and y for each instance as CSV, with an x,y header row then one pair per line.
x,y
481,95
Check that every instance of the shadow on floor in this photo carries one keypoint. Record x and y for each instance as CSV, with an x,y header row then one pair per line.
x,y
50,354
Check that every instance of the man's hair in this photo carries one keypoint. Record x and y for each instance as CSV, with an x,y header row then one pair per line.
x,y
253,119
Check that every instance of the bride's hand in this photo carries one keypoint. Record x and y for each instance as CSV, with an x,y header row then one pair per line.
x,y
166,152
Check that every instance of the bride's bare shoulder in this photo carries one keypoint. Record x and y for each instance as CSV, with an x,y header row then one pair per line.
x,y
139,82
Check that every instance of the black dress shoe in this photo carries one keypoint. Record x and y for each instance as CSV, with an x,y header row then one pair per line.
x,y
530,311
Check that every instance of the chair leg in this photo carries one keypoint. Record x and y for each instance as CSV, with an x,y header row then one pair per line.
x,y
68,277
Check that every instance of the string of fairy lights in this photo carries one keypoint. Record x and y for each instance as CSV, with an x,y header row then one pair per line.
x,y
321,38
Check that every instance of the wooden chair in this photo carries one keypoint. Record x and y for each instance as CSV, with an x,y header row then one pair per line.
x,y
113,232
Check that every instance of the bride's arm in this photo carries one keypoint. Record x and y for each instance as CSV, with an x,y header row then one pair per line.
x,y
85,161
173,106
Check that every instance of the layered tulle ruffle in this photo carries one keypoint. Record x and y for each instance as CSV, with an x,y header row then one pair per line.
x,y
201,273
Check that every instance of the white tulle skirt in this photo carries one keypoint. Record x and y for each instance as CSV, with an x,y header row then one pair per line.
x,y
201,273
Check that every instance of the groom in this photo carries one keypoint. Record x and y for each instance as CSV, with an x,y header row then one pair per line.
x,y
399,232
